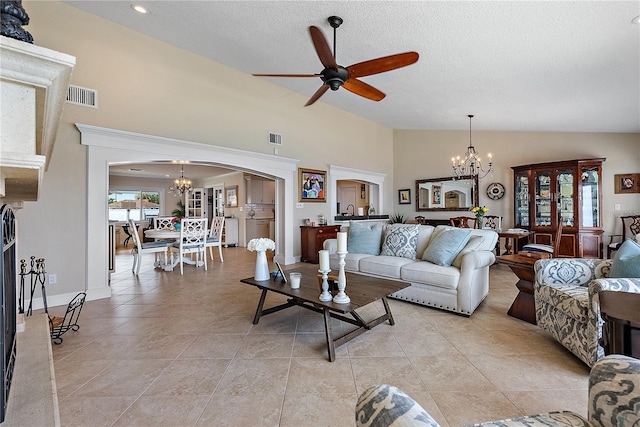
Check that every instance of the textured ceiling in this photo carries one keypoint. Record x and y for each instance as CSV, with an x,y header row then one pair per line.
x,y
518,66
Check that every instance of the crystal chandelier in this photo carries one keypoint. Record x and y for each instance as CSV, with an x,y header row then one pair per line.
x,y
471,165
181,185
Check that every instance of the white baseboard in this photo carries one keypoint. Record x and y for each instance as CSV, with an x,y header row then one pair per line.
x,y
64,299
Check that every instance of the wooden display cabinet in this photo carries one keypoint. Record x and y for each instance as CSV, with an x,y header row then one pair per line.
x,y
313,238
570,190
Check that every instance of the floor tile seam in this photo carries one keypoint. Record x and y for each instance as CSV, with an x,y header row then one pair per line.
x,y
88,381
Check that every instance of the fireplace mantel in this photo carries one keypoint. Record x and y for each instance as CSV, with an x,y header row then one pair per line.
x,y
33,86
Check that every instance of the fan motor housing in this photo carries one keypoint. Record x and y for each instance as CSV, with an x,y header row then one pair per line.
x,y
334,79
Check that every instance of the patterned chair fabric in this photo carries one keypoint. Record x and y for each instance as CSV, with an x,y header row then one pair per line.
x,y
614,401
566,299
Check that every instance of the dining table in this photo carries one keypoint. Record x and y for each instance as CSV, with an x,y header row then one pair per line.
x,y
167,234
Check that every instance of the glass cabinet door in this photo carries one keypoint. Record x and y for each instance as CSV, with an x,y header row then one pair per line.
x,y
565,193
522,199
589,197
544,197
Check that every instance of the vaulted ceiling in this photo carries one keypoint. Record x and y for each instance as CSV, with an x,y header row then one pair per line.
x,y
569,66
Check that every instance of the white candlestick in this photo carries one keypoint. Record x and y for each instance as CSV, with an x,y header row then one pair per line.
x,y
342,242
341,297
324,259
325,295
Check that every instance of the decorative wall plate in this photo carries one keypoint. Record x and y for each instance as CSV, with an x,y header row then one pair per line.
x,y
495,191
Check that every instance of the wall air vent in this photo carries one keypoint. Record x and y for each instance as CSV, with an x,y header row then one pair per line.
x,y
82,96
275,138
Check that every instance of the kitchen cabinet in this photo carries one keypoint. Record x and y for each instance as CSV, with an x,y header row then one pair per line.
x,y
230,232
256,228
569,191
313,238
261,192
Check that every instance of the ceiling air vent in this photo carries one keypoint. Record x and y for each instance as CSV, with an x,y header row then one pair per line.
x,y
82,96
275,138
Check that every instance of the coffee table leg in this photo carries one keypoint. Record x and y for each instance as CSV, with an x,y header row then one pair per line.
x,y
388,311
263,296
331,349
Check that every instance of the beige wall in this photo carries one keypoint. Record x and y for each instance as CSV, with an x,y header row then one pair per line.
x,y
427,154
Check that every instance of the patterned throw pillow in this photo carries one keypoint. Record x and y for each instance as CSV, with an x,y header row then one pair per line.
x,y
364,238
401,241
626,262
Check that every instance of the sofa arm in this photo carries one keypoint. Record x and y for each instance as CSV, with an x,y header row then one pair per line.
x,y
475,260
614,391
330,245
631,285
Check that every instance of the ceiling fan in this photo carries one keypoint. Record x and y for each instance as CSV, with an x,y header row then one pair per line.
x,y
334,76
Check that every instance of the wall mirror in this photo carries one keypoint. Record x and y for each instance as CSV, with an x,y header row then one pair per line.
x,y
446,194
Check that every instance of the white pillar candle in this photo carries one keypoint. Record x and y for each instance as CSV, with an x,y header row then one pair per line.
x,y
324,259
360,211
342,241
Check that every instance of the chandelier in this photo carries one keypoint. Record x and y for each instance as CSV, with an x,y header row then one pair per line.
x,y
181,185
471,165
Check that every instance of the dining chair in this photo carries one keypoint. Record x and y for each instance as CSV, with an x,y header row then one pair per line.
x,y
215,237
163,222
420,219
463,222
140,248
630,230
494,222
193,234
553,249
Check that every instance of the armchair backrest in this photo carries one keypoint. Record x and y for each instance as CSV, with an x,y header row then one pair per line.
x,y
163,222
630,226
133,230
556,240
216,227
193,232
463,222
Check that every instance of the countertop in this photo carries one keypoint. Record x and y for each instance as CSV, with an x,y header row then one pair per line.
x,y
359,218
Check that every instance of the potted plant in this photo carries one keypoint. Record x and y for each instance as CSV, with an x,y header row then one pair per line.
x,y
397,218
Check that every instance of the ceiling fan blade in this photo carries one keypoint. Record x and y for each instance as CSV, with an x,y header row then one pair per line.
x,y
317,95
363,89
380,65
287,75
322,48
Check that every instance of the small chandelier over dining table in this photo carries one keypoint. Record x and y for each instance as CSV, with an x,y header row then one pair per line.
x,y
181,185
471,165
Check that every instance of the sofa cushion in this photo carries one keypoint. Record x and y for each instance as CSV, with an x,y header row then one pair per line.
x,y
352,262
385,405
431,274
384,265
424,236
626,262
446,245
364,238
401,240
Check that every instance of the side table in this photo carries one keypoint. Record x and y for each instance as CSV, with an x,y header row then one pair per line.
x,y
524,306
512,240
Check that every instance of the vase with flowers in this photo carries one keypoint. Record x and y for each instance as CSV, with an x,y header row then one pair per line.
x,y
261,245
176,222
479,212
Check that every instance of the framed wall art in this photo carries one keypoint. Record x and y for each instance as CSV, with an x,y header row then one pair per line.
x,y
404,197
627,183
231,196
311,185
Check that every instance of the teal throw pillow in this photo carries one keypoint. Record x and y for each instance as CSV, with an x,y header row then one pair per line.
x,y
401,241
626,263
444,247
364,238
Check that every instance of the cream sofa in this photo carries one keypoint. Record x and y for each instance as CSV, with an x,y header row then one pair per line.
x,y
459,287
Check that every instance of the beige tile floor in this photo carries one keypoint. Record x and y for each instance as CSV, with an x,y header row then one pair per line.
x,y
172,350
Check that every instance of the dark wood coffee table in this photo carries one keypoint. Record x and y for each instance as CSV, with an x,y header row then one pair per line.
x,y
362,290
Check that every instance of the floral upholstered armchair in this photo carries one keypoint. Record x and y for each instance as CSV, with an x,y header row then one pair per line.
x,y
566,298
614,401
